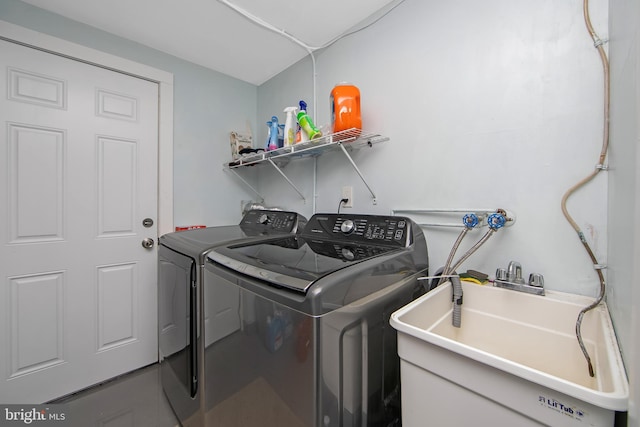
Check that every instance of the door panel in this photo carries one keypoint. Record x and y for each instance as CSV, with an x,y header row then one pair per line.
x,y
117,294
117,173
36,205
36,333
78,297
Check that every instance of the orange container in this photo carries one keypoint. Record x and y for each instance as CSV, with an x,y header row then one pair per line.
x,y
345,107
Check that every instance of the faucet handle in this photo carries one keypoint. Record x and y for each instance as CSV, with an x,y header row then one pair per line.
x,y
536,279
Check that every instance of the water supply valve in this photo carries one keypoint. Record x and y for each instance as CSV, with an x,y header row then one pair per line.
x,y
470,220
496,221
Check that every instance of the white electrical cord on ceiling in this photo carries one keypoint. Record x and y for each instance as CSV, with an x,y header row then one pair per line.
x,y
264,24
310,49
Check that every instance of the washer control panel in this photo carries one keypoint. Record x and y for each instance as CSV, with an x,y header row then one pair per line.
x,y
347,251
369,229
267,220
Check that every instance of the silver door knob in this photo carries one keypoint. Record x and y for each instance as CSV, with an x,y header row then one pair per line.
x,y
147,243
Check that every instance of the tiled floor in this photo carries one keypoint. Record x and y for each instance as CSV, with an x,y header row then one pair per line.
x,y
135,399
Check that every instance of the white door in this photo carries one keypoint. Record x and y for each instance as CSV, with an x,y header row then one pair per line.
x,y
78,162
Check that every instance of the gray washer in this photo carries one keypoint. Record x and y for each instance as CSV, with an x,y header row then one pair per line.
x,y
311,344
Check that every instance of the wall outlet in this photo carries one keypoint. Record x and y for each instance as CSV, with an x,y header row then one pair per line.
x,y
347,193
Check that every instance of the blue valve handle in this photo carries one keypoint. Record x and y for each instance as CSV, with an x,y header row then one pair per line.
x,y
470,220
496,221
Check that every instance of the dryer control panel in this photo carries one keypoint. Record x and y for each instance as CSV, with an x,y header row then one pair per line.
x,y
370,229
267,220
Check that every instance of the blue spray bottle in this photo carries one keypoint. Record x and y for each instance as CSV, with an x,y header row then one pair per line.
x,y
272,142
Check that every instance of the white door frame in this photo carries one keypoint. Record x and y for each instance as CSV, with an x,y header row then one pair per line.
x,y
164,79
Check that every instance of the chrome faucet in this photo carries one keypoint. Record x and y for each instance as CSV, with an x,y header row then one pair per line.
x,y
511,278
514,273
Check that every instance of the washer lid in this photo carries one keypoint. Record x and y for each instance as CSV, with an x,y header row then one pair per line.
x,y
294,262
255,224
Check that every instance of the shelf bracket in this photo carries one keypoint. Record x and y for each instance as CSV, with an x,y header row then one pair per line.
x,y
288,180
247,184
373,195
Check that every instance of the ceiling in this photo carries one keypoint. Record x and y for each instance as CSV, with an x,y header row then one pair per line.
x,y
211,34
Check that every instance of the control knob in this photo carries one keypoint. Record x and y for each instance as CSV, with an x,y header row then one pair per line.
x,y
263,219
347,226
348,254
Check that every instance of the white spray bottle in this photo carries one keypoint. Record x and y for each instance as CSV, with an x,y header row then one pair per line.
x,y
290,126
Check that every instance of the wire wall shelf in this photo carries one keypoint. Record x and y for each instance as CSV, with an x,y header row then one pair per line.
x,y
350,139
345,141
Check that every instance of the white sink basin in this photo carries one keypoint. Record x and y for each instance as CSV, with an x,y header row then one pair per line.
x,y
530,339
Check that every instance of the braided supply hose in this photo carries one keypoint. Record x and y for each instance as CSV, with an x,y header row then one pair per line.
x,y
469,221
495,221
598,44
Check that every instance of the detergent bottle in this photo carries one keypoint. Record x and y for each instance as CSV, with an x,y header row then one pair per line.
x,y
345,107
290,127
306,123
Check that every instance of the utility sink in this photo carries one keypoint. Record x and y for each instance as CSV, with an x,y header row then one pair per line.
x,y
515,358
